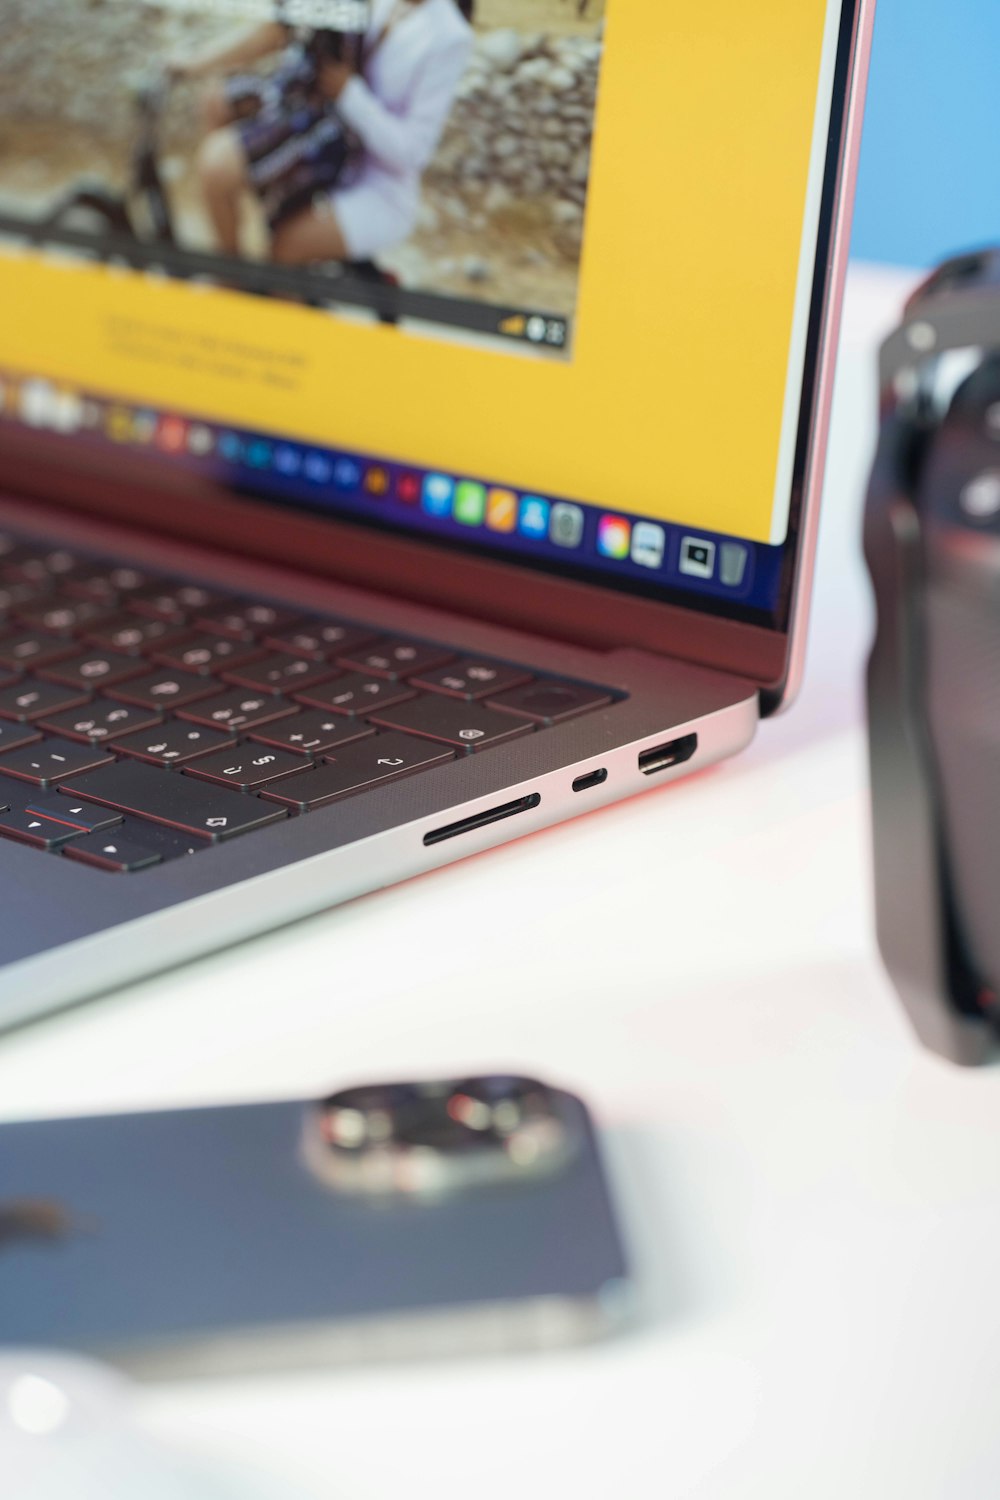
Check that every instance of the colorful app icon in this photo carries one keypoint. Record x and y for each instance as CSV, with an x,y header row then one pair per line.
x,y
377,480
287,460
438,493
566,525
171,435
697,557
733,564
259,454
200,441
614,536
318,468
230,448
347,476
470,503
118,424
533,518
67,413
408,487
37,400
143,426
649,542
501,510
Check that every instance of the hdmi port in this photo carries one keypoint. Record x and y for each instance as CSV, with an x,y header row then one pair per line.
x,y
673,753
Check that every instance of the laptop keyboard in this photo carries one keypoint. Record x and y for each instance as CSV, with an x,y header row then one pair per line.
x,y
144,717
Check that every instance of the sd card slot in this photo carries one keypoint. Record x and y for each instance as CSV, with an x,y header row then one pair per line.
x,y
483,819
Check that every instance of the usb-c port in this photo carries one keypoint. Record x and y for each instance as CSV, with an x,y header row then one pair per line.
x,y
673,753
592,778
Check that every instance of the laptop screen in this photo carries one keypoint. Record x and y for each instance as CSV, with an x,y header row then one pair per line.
x,y
534,278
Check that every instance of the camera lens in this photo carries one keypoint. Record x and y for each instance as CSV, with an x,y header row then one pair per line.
x,y
441,1136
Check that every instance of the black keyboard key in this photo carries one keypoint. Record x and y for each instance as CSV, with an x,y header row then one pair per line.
x,y
15,557
126,579
471,679
85,817
24,649
12,550
247,768
132,845
172,744
164,689
33,699
43,566
357,768
11,546
550,702
321,640
12,794
177,602
238,709
103,719
89,581
63,617
51,761
93,669
279,673
107,583
355,694
14,595
195,807
311,731
393,658
119,853
464,726
247,620
206,654
135,636
41,833
12,736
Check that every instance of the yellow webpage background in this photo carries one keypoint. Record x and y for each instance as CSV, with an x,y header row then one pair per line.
x,y
671,402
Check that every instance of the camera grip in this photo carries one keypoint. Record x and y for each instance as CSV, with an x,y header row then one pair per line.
x,y
913,901
962,609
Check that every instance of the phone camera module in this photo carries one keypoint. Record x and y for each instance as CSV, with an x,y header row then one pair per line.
x,y
428,1139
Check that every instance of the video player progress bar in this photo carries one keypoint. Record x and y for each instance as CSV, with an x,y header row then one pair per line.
x,y
522,325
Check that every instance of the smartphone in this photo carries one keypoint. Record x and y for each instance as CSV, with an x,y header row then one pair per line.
x,y
390,1220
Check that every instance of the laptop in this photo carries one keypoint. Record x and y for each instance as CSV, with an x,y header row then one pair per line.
x,y
412,422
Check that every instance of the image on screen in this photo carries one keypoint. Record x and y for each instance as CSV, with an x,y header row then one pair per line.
x,y
427,162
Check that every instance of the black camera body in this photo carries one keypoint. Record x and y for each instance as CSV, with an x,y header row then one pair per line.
x,y
932,543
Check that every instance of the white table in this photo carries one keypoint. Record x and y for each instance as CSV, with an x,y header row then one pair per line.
x,y
813,1202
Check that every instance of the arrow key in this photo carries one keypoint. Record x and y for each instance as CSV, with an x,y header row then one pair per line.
x,y
85,817
117,852
133,845
40,833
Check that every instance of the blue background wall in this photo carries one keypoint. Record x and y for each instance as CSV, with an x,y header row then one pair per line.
x,y
930,160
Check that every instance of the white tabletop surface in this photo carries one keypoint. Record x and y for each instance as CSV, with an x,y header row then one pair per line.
x,y
812,1202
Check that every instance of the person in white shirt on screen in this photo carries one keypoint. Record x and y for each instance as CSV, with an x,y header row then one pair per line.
x,y
396,103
